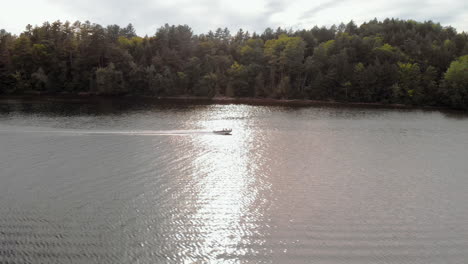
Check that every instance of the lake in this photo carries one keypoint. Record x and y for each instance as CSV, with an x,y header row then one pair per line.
x,y
113,181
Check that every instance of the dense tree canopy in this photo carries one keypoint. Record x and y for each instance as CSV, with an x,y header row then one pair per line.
x,y
390,61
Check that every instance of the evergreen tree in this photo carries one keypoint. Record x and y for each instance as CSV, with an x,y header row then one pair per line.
x,y
389,61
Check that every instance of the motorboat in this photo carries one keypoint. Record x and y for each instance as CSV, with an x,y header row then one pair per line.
x,y
224,131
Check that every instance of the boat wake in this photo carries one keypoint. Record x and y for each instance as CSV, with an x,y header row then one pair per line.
x,y
111,132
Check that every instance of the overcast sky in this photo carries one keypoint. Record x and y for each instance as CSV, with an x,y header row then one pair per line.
x,y
252,15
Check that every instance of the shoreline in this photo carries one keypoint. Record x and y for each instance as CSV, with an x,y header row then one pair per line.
x,y
81,98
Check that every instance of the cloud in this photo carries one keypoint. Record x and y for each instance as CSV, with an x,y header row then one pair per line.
x,y
147,15
320,7
252,15
449,12
274,6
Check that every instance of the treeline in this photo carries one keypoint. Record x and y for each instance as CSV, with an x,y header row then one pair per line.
x,y
390,61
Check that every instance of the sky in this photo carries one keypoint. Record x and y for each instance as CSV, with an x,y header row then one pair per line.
x,y
251,15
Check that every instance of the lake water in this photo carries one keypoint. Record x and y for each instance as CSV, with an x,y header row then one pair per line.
x,y
114,182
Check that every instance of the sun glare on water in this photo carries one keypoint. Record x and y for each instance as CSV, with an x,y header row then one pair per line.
x,y
226,185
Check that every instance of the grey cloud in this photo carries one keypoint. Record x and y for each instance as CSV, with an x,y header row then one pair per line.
x,y
452,12
263,19
424,10
146,15
274,6
320,7
203,15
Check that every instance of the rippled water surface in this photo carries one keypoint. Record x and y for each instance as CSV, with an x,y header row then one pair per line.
x,y
111,182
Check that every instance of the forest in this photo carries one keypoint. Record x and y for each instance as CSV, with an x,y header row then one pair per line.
x,y
390,62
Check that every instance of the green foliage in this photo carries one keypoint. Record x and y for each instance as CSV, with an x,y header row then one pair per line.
x,y
390,61
238,85
7,81
409,82
109,80
386,48
130,43
285,58
328,46
358,68
388,53
208,85
457,72
22,54
456,82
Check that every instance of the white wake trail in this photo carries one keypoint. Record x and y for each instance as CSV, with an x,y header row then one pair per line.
x,y
111,132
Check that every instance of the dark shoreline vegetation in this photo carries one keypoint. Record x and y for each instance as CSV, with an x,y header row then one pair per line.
x,y
393,62
134,100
